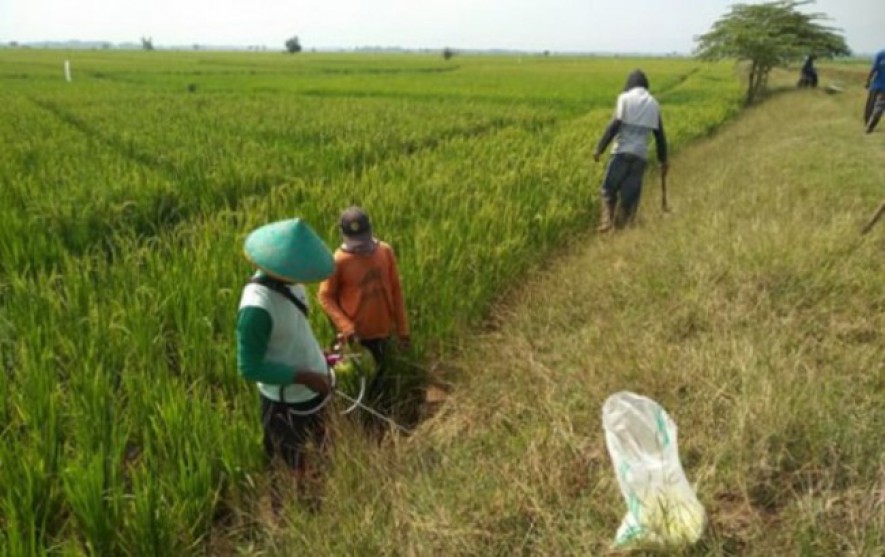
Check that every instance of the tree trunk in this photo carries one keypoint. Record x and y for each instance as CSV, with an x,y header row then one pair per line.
x,y
751,86
758,81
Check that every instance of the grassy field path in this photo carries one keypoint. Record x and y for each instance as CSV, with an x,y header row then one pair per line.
x,y
754,313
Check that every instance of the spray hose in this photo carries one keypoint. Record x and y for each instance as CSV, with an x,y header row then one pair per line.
x,y
355,402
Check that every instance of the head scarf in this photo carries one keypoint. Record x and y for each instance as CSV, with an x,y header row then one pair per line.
x,y
636,79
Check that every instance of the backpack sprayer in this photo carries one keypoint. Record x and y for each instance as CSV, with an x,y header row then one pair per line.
x,y
350,367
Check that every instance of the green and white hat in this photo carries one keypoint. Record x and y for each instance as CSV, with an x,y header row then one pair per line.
x,y
289,250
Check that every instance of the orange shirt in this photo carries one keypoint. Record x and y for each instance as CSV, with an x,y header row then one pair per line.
x,y
364,295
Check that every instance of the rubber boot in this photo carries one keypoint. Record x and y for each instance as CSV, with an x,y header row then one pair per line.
x,y
607,217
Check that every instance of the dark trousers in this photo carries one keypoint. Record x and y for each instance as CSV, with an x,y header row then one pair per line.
x,y
376,391
286,435
380,392
623,183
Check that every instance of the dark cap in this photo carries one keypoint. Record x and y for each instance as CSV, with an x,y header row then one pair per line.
x,y
355,222
357,229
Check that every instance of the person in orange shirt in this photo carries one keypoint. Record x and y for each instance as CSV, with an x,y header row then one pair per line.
x,y
363,297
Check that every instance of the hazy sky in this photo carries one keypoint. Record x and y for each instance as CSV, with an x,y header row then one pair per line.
x,y
556,25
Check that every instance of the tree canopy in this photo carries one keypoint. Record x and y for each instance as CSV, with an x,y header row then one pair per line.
x,y
293,45
769,35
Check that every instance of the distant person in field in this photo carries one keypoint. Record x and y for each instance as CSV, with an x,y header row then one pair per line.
x,y
364,297
808,74
637,114
276,347
876,98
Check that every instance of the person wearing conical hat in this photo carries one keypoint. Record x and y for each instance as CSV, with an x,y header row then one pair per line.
x,y
637,114
276,347
364,296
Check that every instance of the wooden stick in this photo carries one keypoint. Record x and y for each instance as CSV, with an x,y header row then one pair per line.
x,y
664,190
876,216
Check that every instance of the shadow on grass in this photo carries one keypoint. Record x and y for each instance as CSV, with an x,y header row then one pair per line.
x,y
408,393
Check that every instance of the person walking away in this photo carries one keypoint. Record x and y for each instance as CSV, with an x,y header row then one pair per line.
x,y
364,298
876,97
276,347
637,113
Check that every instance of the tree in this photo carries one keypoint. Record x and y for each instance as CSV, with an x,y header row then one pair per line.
x,y
769,35
293,45
447,53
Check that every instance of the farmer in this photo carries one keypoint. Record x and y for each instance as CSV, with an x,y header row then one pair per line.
x,y
808,76
876,99
636,114
363,297
276,347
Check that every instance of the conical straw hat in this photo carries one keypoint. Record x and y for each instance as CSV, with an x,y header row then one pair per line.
x,y
289,250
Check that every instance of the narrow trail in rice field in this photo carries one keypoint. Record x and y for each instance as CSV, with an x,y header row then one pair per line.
x,y
749,304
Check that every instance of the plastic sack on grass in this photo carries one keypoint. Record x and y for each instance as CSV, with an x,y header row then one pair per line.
x,y
662,508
